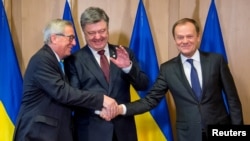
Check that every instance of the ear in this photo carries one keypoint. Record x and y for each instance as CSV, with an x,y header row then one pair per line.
x,y
53,38
199,38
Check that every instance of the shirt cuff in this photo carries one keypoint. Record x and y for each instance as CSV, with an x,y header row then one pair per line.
x,y
97,112
124,109
127,69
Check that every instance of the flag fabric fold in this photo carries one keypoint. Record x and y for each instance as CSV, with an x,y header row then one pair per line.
x,y
212,40
68,16
158,121
11,80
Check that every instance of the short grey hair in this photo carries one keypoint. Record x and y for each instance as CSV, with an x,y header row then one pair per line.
x,y
93,15
55,26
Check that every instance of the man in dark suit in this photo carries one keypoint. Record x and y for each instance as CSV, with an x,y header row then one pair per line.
x,y
87,75
45,113
193,113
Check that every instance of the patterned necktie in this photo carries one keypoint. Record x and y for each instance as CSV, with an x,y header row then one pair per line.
x,y
62,66
104,64
195,80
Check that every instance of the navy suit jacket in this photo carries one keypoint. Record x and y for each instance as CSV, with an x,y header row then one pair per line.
x,y
86,74
45,113
193,115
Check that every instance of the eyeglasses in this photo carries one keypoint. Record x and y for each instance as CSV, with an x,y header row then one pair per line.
x,y
71,37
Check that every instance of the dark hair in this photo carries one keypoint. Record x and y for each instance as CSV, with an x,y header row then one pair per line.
x,y
93,15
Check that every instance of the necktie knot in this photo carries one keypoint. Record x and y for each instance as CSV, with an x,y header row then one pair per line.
x,y
190,61
101,52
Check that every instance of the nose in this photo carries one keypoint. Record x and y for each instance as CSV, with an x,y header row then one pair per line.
x,y
185,39
73,42
97,35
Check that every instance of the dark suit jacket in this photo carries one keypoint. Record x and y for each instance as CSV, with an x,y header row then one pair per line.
x,y
86,74
44,114
191,114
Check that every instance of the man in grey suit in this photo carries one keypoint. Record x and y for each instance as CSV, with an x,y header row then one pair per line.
x,y
193,114
45,113
85,72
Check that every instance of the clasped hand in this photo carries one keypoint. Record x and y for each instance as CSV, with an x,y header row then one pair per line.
x,y
106,114
110,110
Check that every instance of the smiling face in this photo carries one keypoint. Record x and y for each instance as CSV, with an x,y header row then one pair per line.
x,y
186,38
63,43
96,34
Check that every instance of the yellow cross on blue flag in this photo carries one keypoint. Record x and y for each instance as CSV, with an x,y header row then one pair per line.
x,y
11,80
154,125
212,40
68,16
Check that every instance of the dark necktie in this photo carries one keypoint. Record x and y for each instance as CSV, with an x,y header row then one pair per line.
x,y
104,64
61,65
195,80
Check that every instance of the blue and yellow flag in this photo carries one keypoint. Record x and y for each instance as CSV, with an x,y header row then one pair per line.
x,y
212,40
68,16
11,81
154,125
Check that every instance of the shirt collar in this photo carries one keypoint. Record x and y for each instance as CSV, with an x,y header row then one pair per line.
x,y
195,57
105,48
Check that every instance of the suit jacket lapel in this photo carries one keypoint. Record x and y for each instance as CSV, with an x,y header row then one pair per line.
x,y
205,68
91,63
55,61
113,67
182,77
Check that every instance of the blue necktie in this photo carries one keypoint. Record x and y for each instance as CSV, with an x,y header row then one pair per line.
x,y
195,80
61,65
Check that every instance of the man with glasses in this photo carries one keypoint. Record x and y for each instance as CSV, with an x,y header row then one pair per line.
x,y
111,73
71,37
45,113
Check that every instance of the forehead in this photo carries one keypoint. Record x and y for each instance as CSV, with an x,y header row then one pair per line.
x,y
69,30
96,26
185,28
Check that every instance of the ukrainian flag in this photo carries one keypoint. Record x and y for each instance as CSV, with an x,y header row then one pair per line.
x,y
154,125
10,80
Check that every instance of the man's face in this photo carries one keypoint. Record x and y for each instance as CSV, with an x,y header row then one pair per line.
x,y
186,39
96,35
65,42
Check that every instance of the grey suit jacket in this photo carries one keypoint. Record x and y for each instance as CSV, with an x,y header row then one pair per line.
x,y
193,115
86,74
45,113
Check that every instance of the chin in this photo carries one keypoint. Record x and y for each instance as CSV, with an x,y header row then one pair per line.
x,y
68,54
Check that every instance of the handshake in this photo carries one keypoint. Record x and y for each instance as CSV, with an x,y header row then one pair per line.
x,y
110,109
